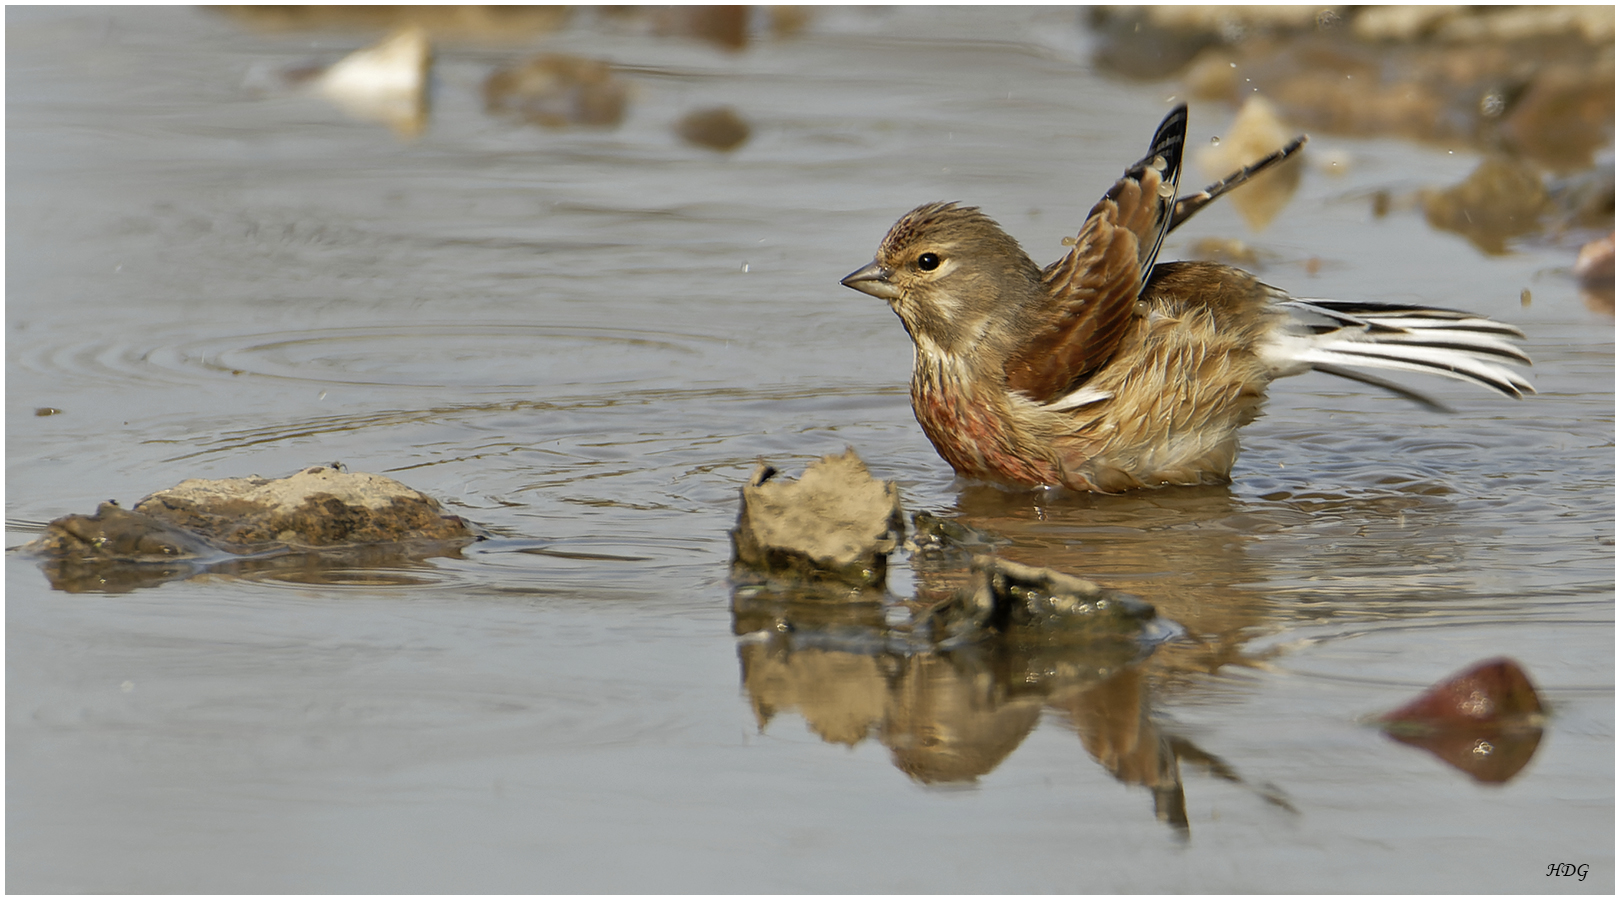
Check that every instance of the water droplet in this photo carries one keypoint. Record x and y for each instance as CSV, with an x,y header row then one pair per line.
x,y
1215,141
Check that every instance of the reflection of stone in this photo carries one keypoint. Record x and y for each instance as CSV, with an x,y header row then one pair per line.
x,y
556,90
1491,758
840,695
1256,132
953,717
1503,198
836,523
1115,728
386,82
950,720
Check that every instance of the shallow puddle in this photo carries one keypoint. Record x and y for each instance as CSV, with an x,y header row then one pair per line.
x,y
584,339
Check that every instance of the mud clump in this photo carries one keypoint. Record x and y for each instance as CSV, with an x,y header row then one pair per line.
x,y
836,523
320,518
318,507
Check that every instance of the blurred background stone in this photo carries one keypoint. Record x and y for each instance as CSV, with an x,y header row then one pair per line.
x,y
556,90
719,128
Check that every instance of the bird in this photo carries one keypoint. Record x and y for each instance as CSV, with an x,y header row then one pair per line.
x,y
1108,371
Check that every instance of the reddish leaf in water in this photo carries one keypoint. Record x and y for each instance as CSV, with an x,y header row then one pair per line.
x,y
1485,721
1495,694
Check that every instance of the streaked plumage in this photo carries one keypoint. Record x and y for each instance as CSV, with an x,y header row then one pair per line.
x,y
1105,371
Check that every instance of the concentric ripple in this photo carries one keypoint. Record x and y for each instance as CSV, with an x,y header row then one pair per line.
x,y
473,356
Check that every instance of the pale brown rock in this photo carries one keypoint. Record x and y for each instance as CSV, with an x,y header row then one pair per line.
x,y
318,507
835,523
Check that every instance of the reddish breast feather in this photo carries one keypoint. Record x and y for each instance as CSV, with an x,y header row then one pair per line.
x,y
973,436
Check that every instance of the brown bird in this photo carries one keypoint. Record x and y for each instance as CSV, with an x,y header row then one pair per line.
x,y
1106,372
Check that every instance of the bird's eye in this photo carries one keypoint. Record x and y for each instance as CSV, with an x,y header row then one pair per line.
x,y
928,262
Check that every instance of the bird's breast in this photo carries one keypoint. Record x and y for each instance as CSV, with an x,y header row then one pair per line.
x,y
973,428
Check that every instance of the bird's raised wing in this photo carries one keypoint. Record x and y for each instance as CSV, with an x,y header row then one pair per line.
x,y
1092,290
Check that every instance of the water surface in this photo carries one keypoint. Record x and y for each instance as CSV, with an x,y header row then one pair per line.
x,y
583,340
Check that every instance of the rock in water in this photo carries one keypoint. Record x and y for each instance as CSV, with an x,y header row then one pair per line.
x,y
318,519
835,524
318,507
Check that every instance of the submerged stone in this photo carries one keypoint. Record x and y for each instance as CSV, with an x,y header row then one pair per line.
x,y
115,533
1010,598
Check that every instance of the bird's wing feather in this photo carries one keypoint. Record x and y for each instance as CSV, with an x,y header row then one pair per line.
x,y
1192,203
1091,292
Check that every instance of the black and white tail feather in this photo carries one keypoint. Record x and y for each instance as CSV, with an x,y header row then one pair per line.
x,y
1329,335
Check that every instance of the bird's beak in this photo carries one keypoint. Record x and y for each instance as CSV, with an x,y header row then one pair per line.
x,y
872,279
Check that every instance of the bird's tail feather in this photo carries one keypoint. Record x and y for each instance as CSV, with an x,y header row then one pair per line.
x,y
1329,334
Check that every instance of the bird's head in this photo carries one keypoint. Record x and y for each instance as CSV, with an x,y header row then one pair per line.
x,y
948,272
